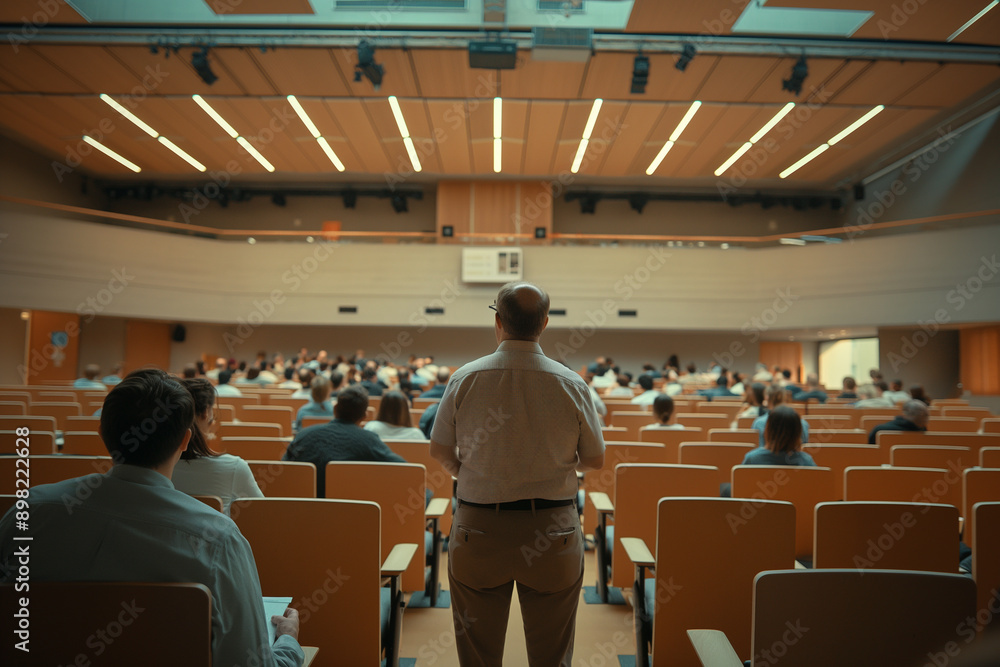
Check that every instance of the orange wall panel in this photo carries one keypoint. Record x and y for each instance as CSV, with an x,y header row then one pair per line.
x,y
53,347
147,344
979,360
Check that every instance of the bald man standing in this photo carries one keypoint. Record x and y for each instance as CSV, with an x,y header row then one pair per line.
x,y
514,427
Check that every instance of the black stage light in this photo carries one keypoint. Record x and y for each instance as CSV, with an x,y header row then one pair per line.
x,y
350,199
640,74
588,204
800,71
199,61
638,202
367,65
399,203
278,199
687,55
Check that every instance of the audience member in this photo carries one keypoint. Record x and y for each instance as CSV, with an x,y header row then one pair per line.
x,y
737,387
289,382
691,375
220,365
393,421
135,526
190,372
761,374
622,389
773,397
648,394
812,390
437,391
917,393
305,383
783,437
870,396
319,404
753,400
606,375
673,386
89,379
203,472
342,439
914,418
721,388
224,388
896,393
427,419
370,383
849,386
116,375
785,380
663,410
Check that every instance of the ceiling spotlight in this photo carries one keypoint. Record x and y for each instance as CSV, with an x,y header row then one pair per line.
x,y
687,55
278,199
588,203
638,202
399,203
251,240
640,74
199,61
367,65
800,71
350,198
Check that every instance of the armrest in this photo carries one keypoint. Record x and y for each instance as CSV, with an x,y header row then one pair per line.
x,y
398,560
713,648
310,652
602,503
437,507
638,552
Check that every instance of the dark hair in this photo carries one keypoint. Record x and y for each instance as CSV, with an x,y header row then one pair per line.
x,y
443,375
305,376
691,368
757,391
882,385
253,373
351,405
145,418
204,396
623,380
394,409
646,382
336,379
522,317
289,372
783,431
190,371
723,381
225,376
368,373
92,371
200,367
673,362
850,383
320,388
787,374
917,392
663,407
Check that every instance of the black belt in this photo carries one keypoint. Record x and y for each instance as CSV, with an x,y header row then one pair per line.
x,y
526,504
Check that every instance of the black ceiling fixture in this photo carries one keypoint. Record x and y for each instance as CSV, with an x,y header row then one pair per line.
x,y
638,202
199,61
687,55
350,198
278,199
588,202
640,74
800,71
399,204
367,65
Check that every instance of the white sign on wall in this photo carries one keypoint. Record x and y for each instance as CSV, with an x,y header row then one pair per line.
x,y
491,265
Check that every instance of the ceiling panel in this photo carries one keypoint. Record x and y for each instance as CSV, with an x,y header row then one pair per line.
x,y
324,116
306,72
545,79
632,135
605,133
515,118
960,81
984,31
734,79
544,122
885,81
96,68
242,65
171,75
769,89
352,116
451,135
732,128
700,137
32,11
481,135
712,17
260,7
28,70
443,73
206,143
799,133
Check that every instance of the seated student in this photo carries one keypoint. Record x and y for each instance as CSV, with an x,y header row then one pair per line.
x,y
774,397
721,388
753,400
782,441
289,382
224,388
89,379
369,380
673,386
849,386
133,525
738,386
202,472
914,418
812,390
437,391
650,370
896,393
116,375
622,389
305,383
648,394
340,440
872,396
663,410
319,404
393,419
917,393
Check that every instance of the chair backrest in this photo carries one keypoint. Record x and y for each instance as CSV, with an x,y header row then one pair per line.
x,y
986,559
977,413
923,456
59,411
237,402
252,448
225,413
745,435
32,422
333,577
315,421
615,453
974,441
86,422
719,407
131,619
283,479
271,414
979,485
57,396
631,422
838,457
846,416
721,455
83,443
398,488
288,402
613,432
13,407
989,457
744,538
706,421
905,485
885,536
953,424
14,395
668,436
51,469
990,425
39,442
848,436
830,421
862,618
803,486
744,422
215,502
439,480
249,429
638,489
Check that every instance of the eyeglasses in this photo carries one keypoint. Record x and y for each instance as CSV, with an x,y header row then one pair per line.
x,y
494,307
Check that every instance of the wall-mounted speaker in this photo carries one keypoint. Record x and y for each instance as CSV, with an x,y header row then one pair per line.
x,y
178,334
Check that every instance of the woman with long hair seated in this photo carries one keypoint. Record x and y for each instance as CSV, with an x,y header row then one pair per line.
x,y
202,472
393,419
753,400
319,405
775,396
782,441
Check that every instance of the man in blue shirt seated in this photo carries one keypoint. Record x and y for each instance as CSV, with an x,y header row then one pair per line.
x,y
721,388
131,524
914,418
343,439
89,379
812,390
437,391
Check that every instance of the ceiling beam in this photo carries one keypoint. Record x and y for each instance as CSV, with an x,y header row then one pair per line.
x,y
766,46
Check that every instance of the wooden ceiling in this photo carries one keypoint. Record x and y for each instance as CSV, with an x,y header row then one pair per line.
x,y
49,98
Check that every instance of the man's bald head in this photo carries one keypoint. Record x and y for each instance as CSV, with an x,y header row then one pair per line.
x,y
523,310
916,412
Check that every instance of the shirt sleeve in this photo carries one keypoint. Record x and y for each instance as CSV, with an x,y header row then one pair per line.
x,y
443,431
244,484
239,629
591,441
381,452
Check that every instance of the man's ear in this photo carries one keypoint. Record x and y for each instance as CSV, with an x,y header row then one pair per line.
x,y
546,323
185,441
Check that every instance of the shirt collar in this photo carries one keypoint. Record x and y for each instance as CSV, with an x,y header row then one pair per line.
x,y
138,475
520,346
